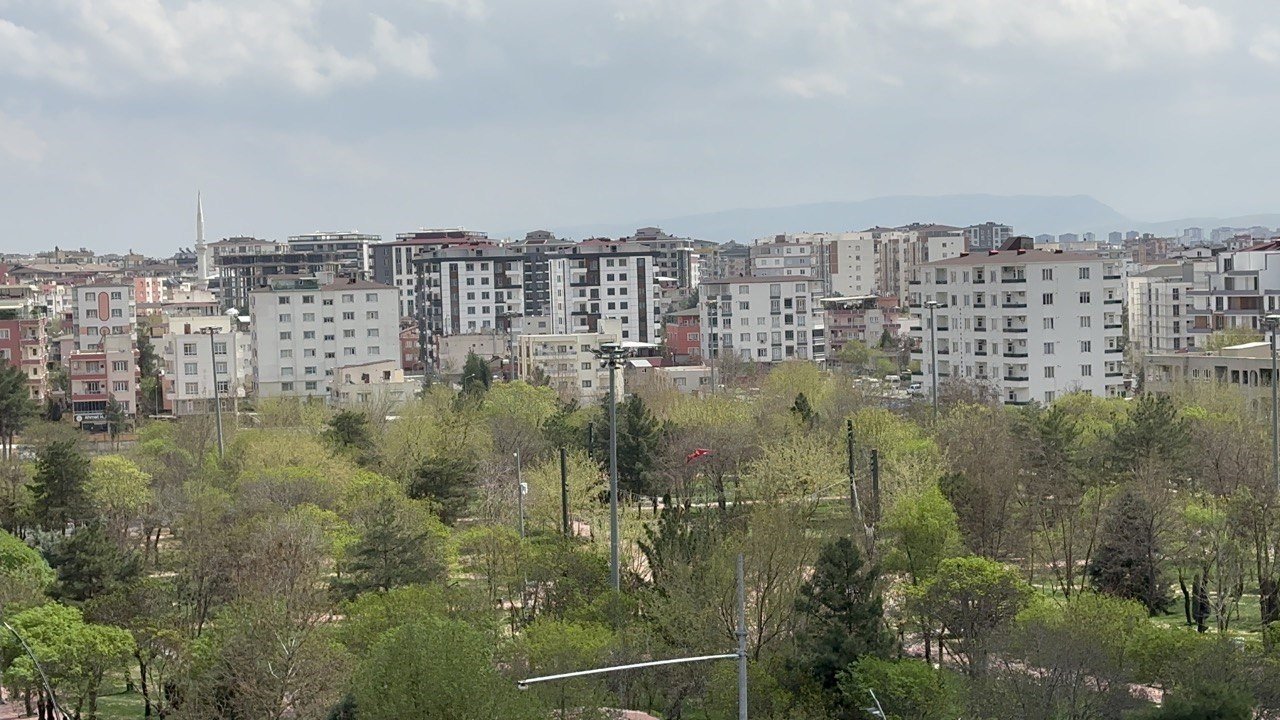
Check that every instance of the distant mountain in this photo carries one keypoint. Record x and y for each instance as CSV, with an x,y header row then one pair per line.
x,y
1025,213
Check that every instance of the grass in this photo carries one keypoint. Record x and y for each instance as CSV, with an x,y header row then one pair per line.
x,y
115,703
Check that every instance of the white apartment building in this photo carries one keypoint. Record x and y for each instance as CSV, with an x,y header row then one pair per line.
x,y
195,351
802,255
1243,288
1159,306
762,319
568,362
304,328
1034,325
677,258
599,280
101,310
381,384
854,264
393,261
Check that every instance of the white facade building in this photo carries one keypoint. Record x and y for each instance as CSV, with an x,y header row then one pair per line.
x,y
598,280
393,261
1243,288
1034,325
101,310
568,362
191,361
303,329
1159,307
762,320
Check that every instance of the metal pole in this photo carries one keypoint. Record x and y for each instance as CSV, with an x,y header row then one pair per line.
x,y
615,576
879,708
524,684
564,490
591,440
44,679
1275,413
875,485
217,399
933,363
854,505
519,493
742,641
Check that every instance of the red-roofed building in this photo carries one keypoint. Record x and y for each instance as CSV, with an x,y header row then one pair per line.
x,y
683,337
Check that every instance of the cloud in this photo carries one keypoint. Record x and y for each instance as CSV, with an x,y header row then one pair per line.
x,y
1266,46
109,47
409,54
19,141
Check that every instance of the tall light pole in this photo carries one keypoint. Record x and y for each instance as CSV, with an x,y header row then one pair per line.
x,y
611,356
932,305
217,397
519,492
1273,323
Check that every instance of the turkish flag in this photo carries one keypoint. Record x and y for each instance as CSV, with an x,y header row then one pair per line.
x,y
695,455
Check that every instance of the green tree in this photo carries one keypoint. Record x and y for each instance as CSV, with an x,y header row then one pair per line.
x,y
639,435
24,574
1129,560
970,599
397,546
1231,336
841,613
116,418
406,675
1153,435
555,646
150,389
447,482
16,406
920,530
803,411
120,491
476,376
60,488
90,563
906,689
348,431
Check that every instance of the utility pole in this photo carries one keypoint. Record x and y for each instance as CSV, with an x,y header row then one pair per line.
x,y
933,353
1273,323
611,356
217,397
519,493
854,504
875,485
564,490
742,640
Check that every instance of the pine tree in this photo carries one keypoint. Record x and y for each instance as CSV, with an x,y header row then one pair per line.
x,y
804,411
1127,563
842,613
390,552
61,476
348,431
639,435
1153,431
90,564
16,406
476,376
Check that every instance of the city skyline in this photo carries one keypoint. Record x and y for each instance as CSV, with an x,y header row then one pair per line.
x,y
298,116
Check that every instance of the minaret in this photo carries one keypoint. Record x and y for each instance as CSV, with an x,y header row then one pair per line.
x,y
202,251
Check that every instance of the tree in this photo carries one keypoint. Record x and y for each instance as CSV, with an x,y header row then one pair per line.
x,y
120,491
116,418
397,547
906,689
639,436
406,675
841,612
1128,563
1154,434
24,574
971,599
447,482
89,563
150,400
348,431
920,531
60,488
1230,336
476,376
803,411
16,406
555,646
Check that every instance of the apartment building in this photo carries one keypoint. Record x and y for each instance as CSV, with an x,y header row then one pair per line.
x,y
1159,306
199,351
24,341
682,337
381,384
987,236
602,279
469,288
1245,367
762,319
862,318
393,261
536,250
105,372
240,275
854,264
1032,324
148,290
567,362
351,250
101,310
304,328
1243,287
727,260
677,258
792,256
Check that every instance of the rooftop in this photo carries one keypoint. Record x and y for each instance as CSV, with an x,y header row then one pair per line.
x,y
995,257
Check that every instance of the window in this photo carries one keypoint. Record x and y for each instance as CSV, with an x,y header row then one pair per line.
x,y
308,317
1084,297
308,334
117,313
308,352
1086,370
115,295
286,353
371,332
90,296
1048,348
310,385
1048,371
191,388
1047,298
348,298
91,314
120,366
309,370
329,319
190,369
220,368
374,350
1084,273
283,300
373,315
348,316
586,383
1046,273
1086,346
348,351
327,301
371,297
286,335
308,299
189,349
1085,321
1048,323
286,386
220,348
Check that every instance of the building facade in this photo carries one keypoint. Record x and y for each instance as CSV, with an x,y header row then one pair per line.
x,y
1031,324
302,329
393,261
1242,289
1159,307
101,310
567,362
199,351
762,320
350,250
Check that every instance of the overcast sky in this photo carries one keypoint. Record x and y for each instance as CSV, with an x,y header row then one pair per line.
x,y
387,115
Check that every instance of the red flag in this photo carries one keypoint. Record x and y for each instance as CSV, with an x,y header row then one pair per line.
x,y
695,455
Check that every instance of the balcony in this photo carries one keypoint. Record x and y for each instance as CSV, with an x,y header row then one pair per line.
x,y
1015,329
1013,279
1112,277
1014,354
1016,378
1113,326
980,352
1112,301
1113,374
1113,350
1013,305
979,329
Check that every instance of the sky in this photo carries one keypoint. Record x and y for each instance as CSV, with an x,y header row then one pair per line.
x,y
383,116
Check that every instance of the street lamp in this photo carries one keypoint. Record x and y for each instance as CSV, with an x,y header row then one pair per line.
x,y
932,305
1272,323
217,398
611,356
519,492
